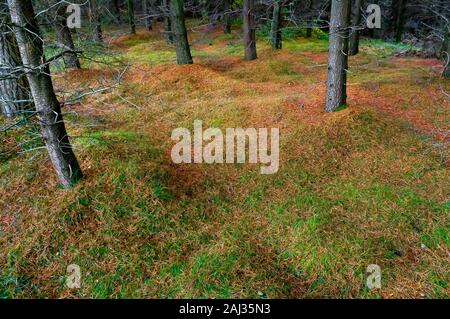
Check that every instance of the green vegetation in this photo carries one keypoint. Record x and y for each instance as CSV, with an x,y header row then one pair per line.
x,y
139,226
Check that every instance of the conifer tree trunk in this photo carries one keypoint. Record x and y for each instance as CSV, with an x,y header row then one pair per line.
x,y
48,109
97,33
167,23
338,55
446,53
131,20
356,21
179,32
65,40
249,30
148,14
116,8
309,28
400,20
15,95
226,17
276,25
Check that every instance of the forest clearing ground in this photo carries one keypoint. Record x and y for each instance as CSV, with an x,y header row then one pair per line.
x,y
355,187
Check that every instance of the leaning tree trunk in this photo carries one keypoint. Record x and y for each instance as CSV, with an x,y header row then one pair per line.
x,y
148,15
65,41
446,53
276,25
167,23
249,30
96,26
338,55
179,32
226,17
131,20
47,106
15,95
356,21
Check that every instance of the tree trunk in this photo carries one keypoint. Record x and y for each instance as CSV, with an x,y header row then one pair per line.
x,y
168,35
309,27
249,30
179,32
226,17
148,14
15,96
446,53
400,20
116,8
97,33
276,25
48,108
131,20
65,41
356,21
338,55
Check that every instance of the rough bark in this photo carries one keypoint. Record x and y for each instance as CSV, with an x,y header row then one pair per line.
x,y
167,23
97,33
65,41
179,32
15,96
356,21
338,55
48,109
249,30
131,20
276,25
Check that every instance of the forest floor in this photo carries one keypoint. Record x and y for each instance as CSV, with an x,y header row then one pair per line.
x,y
365,185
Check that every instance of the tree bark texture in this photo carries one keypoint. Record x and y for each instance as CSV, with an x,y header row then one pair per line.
x,y
356,21
15,96
249,30
179,32
48,109
276,25
338,55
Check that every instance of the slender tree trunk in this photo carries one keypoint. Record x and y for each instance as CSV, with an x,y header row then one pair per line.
x,y
168,35
345,51
179,31
65,41
49,114
249,30
338,55
276,25
356,21
446,53
226,17
131,20
97,33
116,8
15,94
400,20
309,27
148,14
